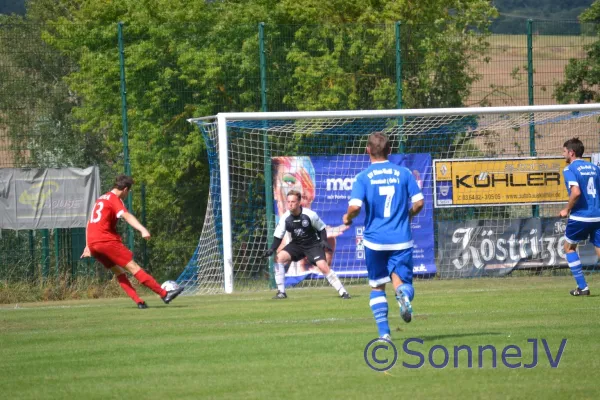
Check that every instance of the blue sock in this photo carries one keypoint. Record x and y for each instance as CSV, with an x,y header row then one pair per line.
x,y
408,290
379,306
576,270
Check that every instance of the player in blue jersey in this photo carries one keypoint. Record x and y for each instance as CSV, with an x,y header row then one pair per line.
x,y
582,179
391,197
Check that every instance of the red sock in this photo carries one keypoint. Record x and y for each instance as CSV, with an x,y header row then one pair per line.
x,y
148,281
126,285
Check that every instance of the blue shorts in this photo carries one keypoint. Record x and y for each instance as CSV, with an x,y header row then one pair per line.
x,y
579,230
381,264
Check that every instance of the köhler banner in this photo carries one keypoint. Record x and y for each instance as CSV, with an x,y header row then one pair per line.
x,y
497,247
47,198
499,181
326,183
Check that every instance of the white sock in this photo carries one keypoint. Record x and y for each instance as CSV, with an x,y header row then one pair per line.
x,y
280,276
335,282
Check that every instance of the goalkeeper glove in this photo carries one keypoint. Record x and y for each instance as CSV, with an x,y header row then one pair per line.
x,y
326,246
268,253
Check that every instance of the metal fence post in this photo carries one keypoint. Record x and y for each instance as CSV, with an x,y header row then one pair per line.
x,y
399,92
535,210
144,245
45,253
266,152
57,252
125,128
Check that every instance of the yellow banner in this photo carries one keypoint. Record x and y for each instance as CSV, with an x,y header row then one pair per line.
x,y
499,181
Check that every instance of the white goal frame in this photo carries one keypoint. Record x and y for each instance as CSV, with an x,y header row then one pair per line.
x,y
223,118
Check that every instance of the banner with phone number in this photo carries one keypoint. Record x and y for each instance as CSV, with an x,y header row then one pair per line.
x,y
499,181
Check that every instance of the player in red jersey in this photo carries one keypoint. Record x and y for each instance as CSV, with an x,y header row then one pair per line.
x,y
104,243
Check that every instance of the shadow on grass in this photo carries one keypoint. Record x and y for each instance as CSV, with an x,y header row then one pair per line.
x,y
427,338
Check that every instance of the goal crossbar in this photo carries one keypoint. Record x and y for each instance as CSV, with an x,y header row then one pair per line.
x,y
219,124
228,116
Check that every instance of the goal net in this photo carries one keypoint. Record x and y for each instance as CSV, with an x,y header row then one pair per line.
x,y
491,177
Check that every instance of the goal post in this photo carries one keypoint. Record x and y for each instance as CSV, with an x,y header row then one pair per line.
x,y
226,204
321,151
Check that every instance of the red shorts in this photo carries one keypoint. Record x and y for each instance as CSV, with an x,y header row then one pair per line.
x,y
111,253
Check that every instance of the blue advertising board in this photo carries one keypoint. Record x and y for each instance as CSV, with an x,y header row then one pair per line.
x,y
326,183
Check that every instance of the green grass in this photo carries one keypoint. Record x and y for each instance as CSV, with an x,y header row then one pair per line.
x,y
247,346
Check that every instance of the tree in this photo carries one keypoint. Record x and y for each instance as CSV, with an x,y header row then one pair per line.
x,y
35,100
167,154
348,60
188,58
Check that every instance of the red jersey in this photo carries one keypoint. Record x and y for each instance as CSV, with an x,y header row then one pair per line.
x,y
102,225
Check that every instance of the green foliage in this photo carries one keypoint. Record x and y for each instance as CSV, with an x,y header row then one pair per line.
x,y
36,100
341,55
166,153
191,58
62,288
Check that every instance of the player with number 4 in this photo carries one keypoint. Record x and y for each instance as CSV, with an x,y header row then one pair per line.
x,y
582,179
104,243
391,197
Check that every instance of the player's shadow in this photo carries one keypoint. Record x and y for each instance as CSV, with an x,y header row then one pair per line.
x,y
427,338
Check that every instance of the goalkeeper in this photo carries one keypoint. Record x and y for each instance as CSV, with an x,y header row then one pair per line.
x,y
309,239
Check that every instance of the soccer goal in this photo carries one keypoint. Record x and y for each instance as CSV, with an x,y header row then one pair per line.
x,y
492,180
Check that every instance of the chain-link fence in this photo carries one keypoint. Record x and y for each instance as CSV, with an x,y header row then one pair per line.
x,y
68,97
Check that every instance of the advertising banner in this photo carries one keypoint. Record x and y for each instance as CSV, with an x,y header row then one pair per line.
x,y
499,181
47,198
326,183
497,247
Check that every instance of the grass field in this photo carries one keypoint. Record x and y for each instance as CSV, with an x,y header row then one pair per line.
x,y
247,346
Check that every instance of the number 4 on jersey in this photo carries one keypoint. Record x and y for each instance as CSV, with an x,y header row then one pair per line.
x,y
591,189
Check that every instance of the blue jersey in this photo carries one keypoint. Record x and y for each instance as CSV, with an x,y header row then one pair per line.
x,y
587,176
386,191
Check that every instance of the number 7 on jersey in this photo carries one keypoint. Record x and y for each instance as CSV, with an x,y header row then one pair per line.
x,y
388,192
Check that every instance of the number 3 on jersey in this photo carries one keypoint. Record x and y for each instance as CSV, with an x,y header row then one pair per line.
x,y
591,189
388,192
97,212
